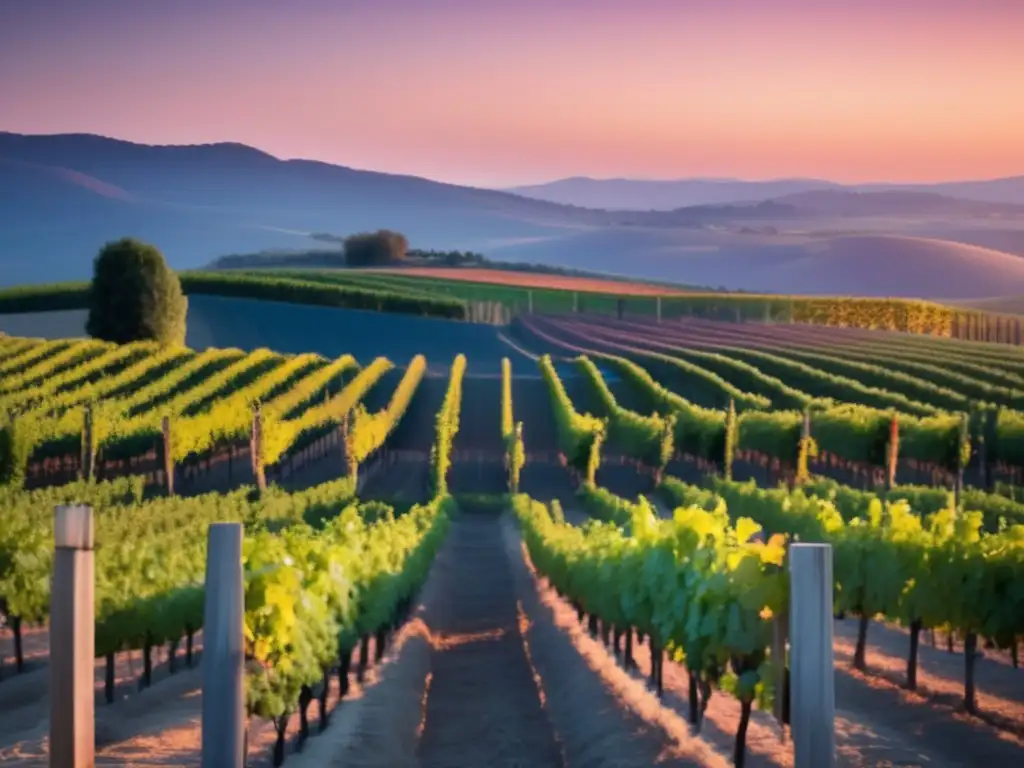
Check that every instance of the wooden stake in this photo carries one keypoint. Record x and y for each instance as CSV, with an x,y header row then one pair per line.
x,y
166,457
72,643
256,449
780,639
893,454
964,436
989,456
88,446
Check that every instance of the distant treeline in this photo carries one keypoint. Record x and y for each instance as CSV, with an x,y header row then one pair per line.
x,y
323,259
420,257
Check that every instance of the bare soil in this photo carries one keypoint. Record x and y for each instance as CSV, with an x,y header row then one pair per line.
x,y
158,726
484,677
483,706
534,280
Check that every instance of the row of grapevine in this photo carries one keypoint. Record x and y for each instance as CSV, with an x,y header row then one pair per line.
x,y
912,316
807,378
702,588
647,438
366,432
940,570
579,435
282,433
448,426
602,504
62,359
952,347
154,364
856,433
110,360
209,396
996,511
313,596
970,375
719,390
150,554
698,431
511,432
868,374
11,347
928,440
25,358
119,419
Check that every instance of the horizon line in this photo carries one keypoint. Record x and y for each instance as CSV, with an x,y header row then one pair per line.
x,y
511,188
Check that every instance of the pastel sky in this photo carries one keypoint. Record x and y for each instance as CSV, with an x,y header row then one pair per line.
x,y
517,91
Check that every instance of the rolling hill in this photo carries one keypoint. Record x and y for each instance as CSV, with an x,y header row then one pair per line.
x,y
843,265
63,196
664,195
657,195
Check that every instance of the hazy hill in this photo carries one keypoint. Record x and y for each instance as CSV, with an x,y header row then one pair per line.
x,y
62,197
844,202
640,195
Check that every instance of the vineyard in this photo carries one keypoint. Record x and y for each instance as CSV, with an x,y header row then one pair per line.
x,y
581,556
494,295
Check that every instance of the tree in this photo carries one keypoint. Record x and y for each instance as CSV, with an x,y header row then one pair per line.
x,y
135,296
371,249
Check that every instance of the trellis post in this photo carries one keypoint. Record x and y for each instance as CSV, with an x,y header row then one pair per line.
x,y
223,723
166,458
256,449
88,446
72,640
812,678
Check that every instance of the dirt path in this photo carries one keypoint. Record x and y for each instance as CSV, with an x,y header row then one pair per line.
x,y
1000,688
24,698
483,707
160,726
484,675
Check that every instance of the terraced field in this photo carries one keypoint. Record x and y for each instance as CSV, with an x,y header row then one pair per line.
x,y
425,525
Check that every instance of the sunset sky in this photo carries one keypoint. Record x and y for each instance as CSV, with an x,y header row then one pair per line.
x,y
501,92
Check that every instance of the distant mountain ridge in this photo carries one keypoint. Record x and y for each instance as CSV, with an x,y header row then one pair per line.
x,y
63,196
660,195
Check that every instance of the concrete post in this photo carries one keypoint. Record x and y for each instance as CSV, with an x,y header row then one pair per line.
x,y
223,649
812,678
72,640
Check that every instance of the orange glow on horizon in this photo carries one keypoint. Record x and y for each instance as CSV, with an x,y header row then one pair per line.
x,y
511,93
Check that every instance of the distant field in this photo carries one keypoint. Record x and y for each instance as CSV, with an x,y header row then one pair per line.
x,y
535,280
